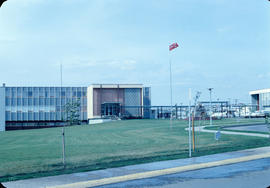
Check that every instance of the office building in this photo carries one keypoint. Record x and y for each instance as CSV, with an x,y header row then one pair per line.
x,y
29,107
260,99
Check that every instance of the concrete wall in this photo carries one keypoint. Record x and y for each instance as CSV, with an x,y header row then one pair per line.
x,y
2,109
90,113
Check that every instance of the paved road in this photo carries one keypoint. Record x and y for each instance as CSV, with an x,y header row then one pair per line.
x,y
181,171
259,128
252,174
202,129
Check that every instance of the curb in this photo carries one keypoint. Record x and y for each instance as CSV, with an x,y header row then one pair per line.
x,y
150,174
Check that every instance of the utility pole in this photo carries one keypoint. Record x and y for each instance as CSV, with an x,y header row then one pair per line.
x,y
193,117
189,122
210,91
61,117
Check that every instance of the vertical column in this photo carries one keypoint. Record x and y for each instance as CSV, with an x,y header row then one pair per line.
x,y
2,108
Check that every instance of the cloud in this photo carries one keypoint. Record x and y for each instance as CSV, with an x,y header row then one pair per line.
x,y
7,40
263,75
80,62
223,29
27,2
123,65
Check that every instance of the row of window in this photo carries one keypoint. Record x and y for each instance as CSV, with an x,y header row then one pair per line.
x,y
46,92
41,109
39,116
42,101
265,99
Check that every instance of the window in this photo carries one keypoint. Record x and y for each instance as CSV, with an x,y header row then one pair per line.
x,y
52,101
30,115
41,101
36,101
52,115
57,101
24,101
47,116
24,116
58,108
63,101
52,92
8,118
36,118
19,101
19,92
41,115
74,94
57,92
47,101
7,101
25,92
19,116
13,92
8,92
13,116
13,101
30,94
30,102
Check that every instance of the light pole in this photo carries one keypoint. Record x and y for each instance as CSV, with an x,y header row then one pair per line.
x,y
189,122
229,107
210,91
61,117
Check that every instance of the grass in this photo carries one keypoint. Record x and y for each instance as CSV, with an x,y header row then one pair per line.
x,y
35,153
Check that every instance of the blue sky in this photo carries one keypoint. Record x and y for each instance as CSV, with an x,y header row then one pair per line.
x,y
224,44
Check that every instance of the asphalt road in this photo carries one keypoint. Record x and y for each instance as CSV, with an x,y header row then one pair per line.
x,y
218,170
259,128
253,174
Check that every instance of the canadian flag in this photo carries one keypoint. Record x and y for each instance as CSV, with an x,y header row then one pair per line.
x,y
172,46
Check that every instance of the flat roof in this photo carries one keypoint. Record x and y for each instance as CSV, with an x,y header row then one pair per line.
x,y
116,85
259,91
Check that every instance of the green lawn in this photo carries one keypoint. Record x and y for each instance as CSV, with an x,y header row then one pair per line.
x,y
35,153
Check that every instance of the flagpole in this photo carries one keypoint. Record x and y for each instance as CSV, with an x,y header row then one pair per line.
x,y
189,122
171,90
171,47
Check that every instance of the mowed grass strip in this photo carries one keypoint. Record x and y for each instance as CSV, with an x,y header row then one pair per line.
x,y
35,153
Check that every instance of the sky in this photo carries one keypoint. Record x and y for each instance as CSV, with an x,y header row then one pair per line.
x,y
223,44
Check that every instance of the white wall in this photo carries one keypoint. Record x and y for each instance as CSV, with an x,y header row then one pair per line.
x,y
2,109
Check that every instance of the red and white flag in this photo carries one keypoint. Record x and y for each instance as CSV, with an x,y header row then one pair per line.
x,y
172,46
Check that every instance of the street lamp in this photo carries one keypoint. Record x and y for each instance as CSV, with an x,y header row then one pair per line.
x,y
210,91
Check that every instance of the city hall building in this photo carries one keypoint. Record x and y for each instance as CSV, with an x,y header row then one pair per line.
x,y
260,99
29,107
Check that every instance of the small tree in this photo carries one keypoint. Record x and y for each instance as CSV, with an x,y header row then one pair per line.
x,y
72,110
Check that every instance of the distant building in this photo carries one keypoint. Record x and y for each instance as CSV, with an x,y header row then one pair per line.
x,y
29,107
260,99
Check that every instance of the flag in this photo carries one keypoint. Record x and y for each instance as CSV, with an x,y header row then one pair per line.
x,y
172,46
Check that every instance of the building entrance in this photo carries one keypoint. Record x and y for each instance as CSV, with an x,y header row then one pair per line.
x,y
110,109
